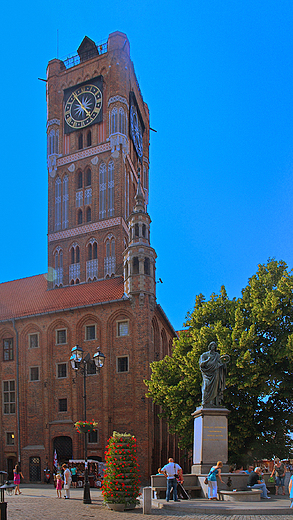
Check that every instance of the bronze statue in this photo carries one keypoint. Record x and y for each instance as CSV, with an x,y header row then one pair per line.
x,y
213,368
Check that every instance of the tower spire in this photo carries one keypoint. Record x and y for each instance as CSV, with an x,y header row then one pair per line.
x,y
139,197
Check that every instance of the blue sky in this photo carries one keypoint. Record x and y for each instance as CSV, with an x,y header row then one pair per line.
x,y
218,80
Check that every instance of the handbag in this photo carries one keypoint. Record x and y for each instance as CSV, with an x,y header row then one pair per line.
x,y
206,481
271,479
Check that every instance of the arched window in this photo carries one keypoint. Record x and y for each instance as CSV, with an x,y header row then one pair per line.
x,y
79,216
102,190
110,259
88,177
88,214
122,123
57,204
95,250
58,261
111,189
113,123
80,142
90,252
147,266
143,230
72,254
135,264
136,230
77,259
89,138
65,200
79,179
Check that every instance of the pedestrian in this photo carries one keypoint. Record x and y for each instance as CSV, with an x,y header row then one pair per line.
x,y
279,470
249,470
74,476
291,490
255,482
16,479
215,472
67,480
171,470
59,483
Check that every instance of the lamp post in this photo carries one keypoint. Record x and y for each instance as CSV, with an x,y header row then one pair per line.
x,y
79,361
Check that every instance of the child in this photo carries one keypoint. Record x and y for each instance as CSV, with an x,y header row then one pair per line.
x,y
16,479
59,483
291,490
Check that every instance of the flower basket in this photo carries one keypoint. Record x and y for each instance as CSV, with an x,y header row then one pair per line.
x,y
86,426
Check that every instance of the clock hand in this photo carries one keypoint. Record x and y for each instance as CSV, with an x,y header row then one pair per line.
x,y
82,106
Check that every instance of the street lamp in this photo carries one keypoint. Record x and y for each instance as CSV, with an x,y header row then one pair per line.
x,y
79,361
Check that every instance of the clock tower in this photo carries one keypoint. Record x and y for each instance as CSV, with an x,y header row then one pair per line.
x,y
98,137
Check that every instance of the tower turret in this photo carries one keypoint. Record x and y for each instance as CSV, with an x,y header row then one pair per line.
x,y
139,256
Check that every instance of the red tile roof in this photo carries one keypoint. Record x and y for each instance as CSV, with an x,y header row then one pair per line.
x,y
29,296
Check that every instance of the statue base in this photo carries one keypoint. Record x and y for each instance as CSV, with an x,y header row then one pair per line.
x,y
210,438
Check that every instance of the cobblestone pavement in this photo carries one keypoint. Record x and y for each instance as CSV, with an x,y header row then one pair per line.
x,y
41,503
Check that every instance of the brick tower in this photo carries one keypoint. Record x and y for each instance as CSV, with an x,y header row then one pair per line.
x,y
98,133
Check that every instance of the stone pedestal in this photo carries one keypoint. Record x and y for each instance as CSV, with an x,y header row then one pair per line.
x,y
210,439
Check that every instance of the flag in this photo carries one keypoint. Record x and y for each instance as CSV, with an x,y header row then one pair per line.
x,y
55,461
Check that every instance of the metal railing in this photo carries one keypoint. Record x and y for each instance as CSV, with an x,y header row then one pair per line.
x,y
73,60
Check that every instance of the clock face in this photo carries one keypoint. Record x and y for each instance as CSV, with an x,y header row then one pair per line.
x,y
136,132
83,106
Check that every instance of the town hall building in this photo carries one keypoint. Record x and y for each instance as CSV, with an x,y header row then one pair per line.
x,y
100,289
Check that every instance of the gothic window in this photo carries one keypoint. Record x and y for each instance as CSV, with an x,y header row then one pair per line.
x,y
92,261
79,179
102,190
58,264
77,257
88,214
74,267
88,177
53,142
110,259
80,142
135,265
143,230
113,122
111,189
136,230
72,255
147,266
79,216
122,121
65,203
88,196
89,138
57,204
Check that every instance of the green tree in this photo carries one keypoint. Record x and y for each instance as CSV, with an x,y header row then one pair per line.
x,y
256,330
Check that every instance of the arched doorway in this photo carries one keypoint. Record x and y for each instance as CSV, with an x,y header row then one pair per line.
x,y
63,447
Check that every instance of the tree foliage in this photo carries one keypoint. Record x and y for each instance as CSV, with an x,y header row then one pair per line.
x,y
256,330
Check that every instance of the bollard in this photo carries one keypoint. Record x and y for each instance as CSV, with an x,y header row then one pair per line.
x,y
147,500
3,510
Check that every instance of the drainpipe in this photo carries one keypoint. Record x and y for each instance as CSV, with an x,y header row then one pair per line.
x,y
17,391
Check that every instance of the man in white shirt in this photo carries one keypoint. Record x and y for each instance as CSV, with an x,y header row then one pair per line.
x,y
171,471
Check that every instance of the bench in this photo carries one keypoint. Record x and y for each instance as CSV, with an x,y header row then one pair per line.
x,y
252,495
159,485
